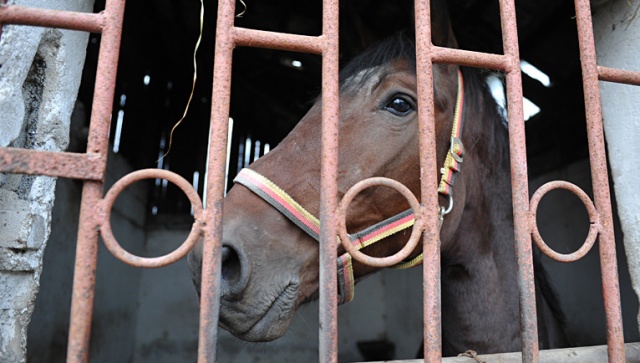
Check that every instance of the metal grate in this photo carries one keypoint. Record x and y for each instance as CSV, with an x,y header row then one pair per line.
x,y
90,167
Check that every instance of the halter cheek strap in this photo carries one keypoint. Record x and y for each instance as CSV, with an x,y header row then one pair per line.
x,y
456,150
306,221
286,205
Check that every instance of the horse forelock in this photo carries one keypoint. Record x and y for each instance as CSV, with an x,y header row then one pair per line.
x,y
359,70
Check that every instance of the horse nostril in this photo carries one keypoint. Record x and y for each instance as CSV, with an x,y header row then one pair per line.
x,y
226,252
232,274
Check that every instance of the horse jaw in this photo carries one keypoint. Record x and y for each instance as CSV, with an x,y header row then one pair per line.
x,y
273,278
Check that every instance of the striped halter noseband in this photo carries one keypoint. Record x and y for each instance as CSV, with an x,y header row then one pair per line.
x,y
291,209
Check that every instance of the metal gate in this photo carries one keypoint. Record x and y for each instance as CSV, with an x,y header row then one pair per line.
x,y
90,168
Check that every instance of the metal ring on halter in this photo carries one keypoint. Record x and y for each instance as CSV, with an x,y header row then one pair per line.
x,y
446,211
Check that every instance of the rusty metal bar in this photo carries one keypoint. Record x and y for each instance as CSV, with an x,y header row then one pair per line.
x,y
469,58
218,134
600,180
618,75
329,184
280,41
87,246
428,178
67,165
14,14
594,221
150,262
519,185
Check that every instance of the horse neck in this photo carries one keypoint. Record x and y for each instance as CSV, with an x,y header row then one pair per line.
x,y
487,185
479,272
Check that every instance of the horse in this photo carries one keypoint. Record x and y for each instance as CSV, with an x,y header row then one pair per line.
x,y
270,264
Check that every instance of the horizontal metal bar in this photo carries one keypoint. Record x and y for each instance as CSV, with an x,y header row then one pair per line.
x,y
594,354
280,41
73,20
60,164
618,76
471,59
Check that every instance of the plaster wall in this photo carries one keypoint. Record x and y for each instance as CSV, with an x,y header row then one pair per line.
x,y
617,30
117,284
39,79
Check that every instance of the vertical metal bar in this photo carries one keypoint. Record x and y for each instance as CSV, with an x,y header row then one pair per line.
x,y
211,263
428,178
329,184
87,245
599,176
520,187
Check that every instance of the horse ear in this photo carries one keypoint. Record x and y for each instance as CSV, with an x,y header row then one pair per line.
x,y
441,31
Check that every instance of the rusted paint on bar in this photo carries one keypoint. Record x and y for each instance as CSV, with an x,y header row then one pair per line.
x,y
618,75
594,219
84,276
86,250
14,14
416,231
599,176
329,184
52,163
150,262
519,185
279,41
469,58
428,179
218,134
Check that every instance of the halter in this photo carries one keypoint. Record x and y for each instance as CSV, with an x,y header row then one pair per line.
x,y
306,221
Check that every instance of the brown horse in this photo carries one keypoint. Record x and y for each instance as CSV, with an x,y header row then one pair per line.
x,y
270,266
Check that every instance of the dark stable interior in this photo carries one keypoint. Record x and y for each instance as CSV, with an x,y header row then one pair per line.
x,y
272,90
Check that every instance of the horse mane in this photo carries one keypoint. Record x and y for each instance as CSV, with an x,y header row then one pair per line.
x,y
492,117
400,45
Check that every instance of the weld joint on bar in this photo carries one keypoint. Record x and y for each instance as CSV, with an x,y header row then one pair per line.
x,y
511,63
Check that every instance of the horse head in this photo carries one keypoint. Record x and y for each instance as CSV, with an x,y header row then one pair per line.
x,y
270,265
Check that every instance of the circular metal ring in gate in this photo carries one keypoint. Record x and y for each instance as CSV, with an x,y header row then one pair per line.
x,y
594,220
415,233
150,262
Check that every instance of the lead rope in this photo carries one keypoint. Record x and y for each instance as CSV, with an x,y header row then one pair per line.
x,y
306,221
472,354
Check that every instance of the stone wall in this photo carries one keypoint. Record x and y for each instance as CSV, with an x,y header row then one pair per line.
x,y
617,30
40,71
115,312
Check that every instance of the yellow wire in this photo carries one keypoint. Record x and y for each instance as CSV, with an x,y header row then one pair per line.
x,y
193,86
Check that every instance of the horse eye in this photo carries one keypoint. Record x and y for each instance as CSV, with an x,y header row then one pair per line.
x,y
399,106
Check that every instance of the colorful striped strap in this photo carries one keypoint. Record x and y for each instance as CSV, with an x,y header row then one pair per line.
x,y
286,205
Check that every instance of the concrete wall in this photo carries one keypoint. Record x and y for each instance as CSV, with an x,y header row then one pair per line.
x,y
39,81
617,30
117,284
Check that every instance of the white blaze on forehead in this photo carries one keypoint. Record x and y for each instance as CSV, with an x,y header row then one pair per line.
x,y
367,76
